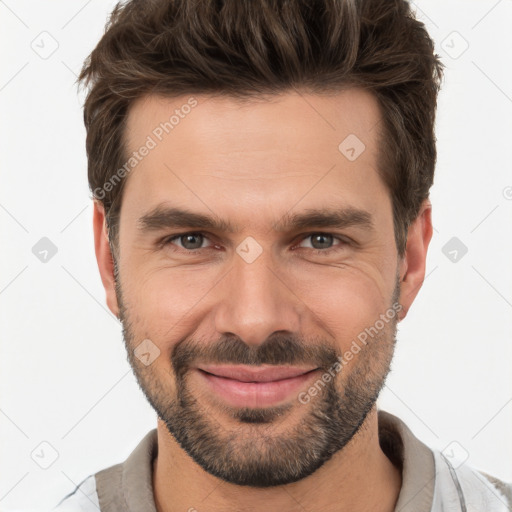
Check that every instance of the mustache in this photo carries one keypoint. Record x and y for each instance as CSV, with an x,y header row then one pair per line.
x,y
278,349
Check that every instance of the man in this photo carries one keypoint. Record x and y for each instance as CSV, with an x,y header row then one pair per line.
x,y
261,173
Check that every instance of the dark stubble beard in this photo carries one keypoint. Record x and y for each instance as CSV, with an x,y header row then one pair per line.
x,y
251,454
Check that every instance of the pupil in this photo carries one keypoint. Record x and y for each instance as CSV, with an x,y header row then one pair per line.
x,y
190,238
324,241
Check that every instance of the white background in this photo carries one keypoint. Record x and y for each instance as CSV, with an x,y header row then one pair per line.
x,y
63,371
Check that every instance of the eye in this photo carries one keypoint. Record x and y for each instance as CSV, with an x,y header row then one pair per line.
x,y
322,242
187,241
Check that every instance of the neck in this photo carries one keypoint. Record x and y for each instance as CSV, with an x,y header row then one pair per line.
x,y
357,478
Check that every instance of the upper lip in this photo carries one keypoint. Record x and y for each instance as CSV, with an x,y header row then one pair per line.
x,y
255,373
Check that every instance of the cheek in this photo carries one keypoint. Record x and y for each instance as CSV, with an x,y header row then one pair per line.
x,y
345,302
164,303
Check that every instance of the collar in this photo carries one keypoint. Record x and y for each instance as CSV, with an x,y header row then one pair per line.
x,y
415,459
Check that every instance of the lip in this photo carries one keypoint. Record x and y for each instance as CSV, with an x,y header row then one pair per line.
x,y
255,374
244,386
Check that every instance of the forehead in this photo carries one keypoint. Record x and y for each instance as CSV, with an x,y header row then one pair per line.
x,y
265,152
252,123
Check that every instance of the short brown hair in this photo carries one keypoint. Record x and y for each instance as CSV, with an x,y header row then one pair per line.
x,y
244,49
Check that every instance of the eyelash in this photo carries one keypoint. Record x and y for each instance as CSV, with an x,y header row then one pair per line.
x,y
343,242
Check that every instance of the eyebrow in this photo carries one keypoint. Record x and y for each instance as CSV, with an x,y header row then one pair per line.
x,y
165,217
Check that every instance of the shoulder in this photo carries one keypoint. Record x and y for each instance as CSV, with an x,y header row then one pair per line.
x,y
469,488
505,488
83,499
113,484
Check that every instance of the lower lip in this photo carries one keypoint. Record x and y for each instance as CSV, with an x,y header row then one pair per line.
x,y
256,394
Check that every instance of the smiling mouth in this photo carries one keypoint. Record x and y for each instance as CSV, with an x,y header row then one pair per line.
x,y
245,386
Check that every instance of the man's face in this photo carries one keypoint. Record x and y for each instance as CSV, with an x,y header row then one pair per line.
x,y
272,292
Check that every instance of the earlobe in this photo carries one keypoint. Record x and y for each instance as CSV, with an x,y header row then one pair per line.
x,y
413,263
104,257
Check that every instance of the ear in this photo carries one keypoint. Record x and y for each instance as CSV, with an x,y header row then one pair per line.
x,y
413,263
104,256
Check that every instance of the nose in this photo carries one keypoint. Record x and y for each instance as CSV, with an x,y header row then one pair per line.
x,y
256,301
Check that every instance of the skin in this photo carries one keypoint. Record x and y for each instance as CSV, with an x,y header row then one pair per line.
x,y
251,164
